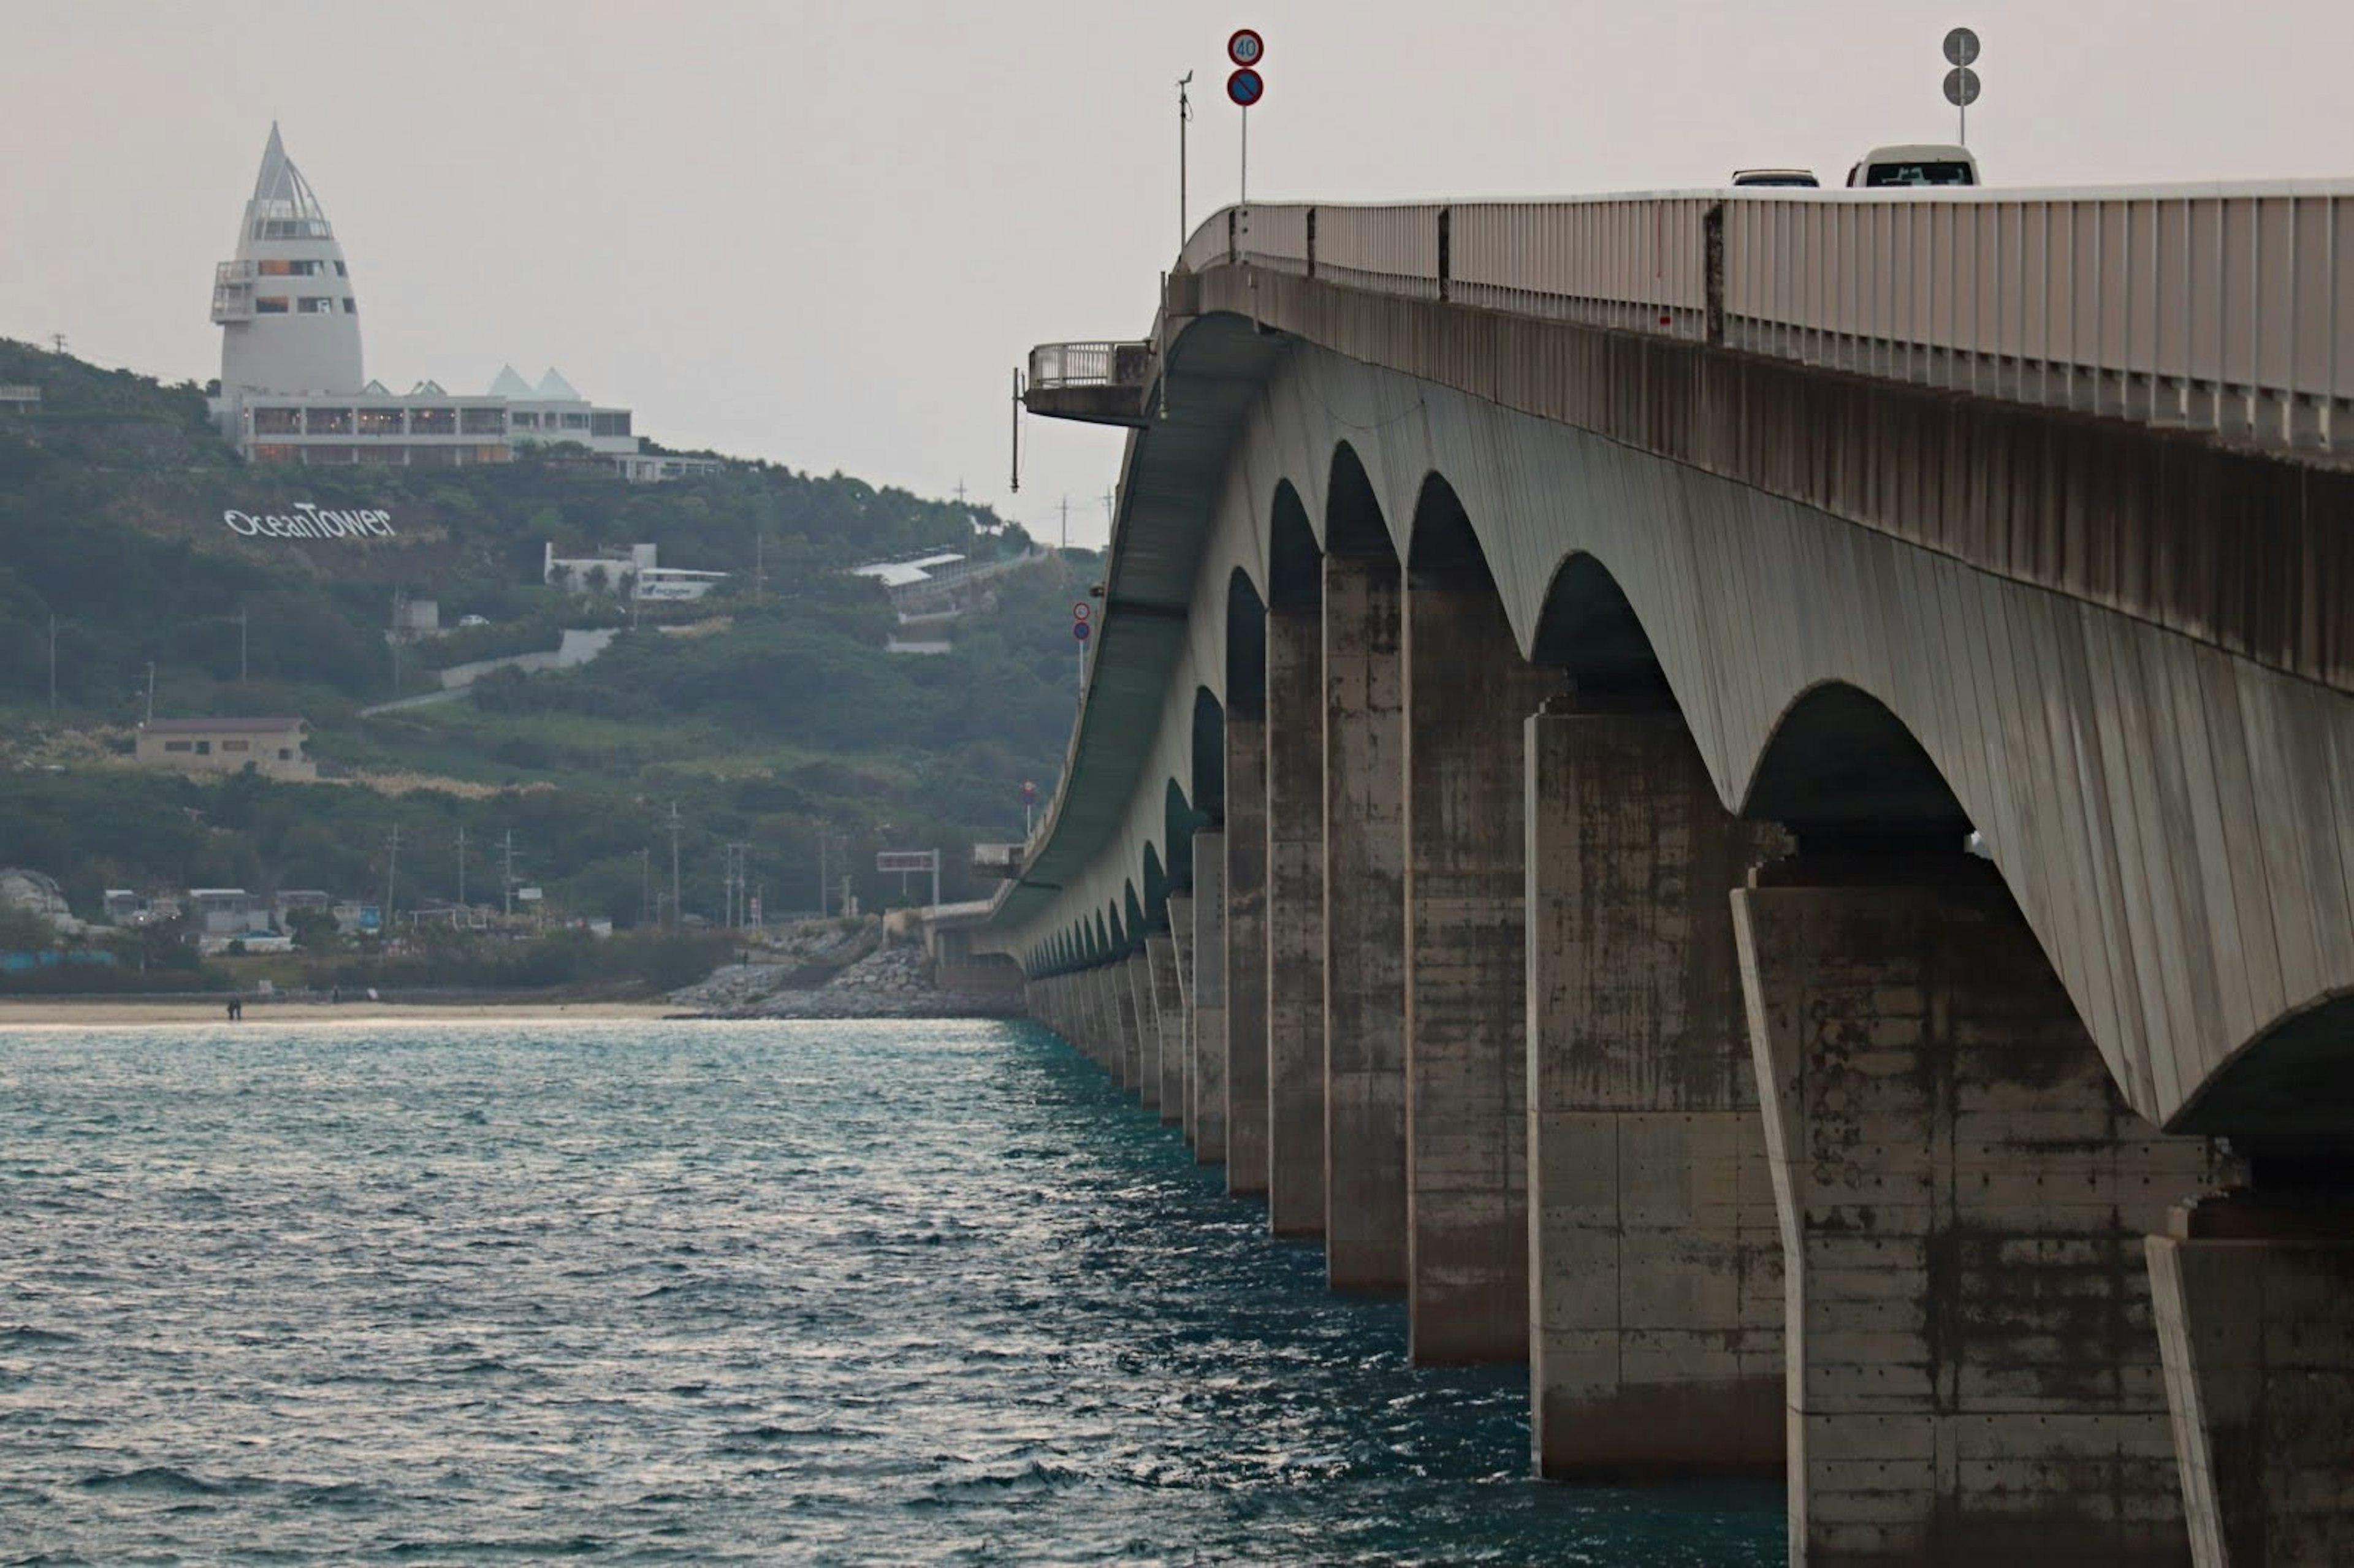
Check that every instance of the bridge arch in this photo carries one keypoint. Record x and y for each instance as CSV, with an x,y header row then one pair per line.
x,y
1842,769
1208,794
1355,522
1586,628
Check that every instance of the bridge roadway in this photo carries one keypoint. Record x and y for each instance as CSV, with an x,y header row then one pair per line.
x,y
1555,659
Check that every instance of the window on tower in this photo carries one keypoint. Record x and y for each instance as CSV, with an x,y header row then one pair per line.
x,y
351,307
269,305
317,305
340,271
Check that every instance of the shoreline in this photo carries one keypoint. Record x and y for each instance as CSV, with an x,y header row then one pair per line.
x,y
58,1011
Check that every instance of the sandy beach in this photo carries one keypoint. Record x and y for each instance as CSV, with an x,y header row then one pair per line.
x,y
113,1012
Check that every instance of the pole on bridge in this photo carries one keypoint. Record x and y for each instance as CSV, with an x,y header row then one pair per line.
x,y
1184,117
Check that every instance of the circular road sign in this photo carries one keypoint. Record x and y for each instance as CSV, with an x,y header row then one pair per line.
x,y
1961,47
1245,47
1080,628
1246,87
1962,86
1081,611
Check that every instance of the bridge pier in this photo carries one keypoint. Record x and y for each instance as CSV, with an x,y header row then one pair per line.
x,y
1147,1027
1208,974
1127,1049
2255,1321
1468,691
1188,1082
1294,959
1973,1370
1169,1029
1656,1341
1104,1018
1364,919
1244,935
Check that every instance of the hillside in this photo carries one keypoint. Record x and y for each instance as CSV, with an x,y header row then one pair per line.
x,y
766,713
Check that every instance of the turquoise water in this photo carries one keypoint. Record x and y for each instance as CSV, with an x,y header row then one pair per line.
x,y
871,1293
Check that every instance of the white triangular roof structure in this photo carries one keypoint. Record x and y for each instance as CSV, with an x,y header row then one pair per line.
x,y
554,388
509,385
375,388
428,387
279,190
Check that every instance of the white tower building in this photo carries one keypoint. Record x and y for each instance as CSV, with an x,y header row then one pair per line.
x,y
289,323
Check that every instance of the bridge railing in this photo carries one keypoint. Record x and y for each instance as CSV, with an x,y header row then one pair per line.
x,y
1101,364
2227,307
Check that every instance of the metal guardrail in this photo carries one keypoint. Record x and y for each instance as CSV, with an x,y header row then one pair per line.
x,y
1103,364
2228,308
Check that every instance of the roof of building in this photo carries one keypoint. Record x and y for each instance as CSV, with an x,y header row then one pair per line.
x,y
280,186
904,574
554,388
509,385
217,726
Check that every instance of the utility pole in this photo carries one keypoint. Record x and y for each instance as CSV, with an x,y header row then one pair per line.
x,y
399,604
151,690
676,912
1066,522
391,874
58,341
506,878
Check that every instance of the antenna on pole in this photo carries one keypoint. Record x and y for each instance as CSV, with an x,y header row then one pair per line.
x,y
1184,118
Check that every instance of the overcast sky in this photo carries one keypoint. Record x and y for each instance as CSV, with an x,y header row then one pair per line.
x,y
824,234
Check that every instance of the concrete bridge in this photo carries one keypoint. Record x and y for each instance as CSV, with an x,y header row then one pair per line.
x,y
1750,800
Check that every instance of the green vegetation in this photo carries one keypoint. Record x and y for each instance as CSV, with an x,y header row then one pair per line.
x,y
769,713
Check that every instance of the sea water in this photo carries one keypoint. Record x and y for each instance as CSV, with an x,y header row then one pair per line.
x,y
855,1293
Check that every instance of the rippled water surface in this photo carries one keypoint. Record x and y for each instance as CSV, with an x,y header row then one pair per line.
x,y
706,1293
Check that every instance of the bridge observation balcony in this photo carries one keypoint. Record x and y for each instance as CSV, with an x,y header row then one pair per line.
x,y
2223,308
1100,383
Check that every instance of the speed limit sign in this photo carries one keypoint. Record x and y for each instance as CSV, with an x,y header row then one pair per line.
x,y
1245,47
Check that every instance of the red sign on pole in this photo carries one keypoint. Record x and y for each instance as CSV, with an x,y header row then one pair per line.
x,y
1245,47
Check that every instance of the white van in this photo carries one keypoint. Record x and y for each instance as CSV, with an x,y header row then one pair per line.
x,y
1926,165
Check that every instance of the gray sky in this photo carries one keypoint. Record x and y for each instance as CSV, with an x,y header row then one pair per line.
x,y
826,233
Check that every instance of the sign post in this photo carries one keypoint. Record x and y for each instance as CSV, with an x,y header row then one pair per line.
x,y
905,861
1245,87
1962,82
